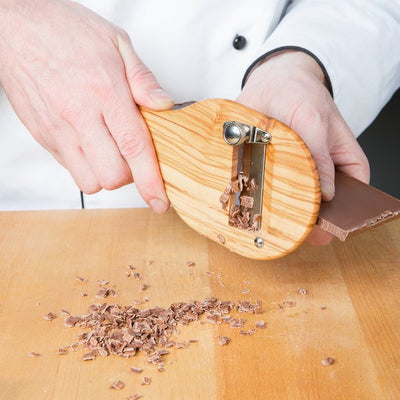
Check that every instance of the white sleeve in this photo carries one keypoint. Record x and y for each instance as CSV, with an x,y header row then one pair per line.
x,y
356,42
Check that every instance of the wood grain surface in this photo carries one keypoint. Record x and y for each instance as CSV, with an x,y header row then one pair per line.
x,y
197,165
357,282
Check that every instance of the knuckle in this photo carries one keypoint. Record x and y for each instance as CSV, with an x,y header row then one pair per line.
x,y
113,182
140,74
130,145
89,187
122,34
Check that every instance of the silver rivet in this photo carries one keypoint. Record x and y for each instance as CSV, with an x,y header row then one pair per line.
x,y
258,242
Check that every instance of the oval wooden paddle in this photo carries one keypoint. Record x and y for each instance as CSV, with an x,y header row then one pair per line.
x,y
197,165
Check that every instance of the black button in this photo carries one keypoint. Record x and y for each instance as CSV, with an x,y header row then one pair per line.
x,y
239,42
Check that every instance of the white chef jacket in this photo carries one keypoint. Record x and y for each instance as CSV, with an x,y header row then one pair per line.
x,y
189,47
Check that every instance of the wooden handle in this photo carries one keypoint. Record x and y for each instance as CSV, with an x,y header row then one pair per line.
x,y
196,165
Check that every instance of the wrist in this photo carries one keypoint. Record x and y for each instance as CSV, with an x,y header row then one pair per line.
x,y
290,59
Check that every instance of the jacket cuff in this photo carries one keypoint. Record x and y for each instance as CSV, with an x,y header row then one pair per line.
x,y
327,79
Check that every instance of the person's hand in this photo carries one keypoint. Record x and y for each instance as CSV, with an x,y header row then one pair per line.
x,y
74,80
289,87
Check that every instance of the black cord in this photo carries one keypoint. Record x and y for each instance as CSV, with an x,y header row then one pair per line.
x,y
82,201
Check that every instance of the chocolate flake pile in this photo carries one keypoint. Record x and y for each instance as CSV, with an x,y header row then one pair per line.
x,y
240,215
124,331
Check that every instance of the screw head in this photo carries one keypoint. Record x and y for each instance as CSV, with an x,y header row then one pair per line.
x,y
258,242
234,134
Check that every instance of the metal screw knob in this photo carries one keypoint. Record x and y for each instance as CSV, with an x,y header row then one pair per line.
x,y
234,133
258,242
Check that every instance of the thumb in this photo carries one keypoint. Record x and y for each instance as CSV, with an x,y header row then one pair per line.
x,y
145,89
326,170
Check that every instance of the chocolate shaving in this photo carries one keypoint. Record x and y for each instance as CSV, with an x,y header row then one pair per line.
x,y
247,333
125,330
327,361
102,282
84,294
221,239
136,275
146,380
80,279
144,286
247,201
240,215
50,316
135,396
224,340
302,291
248,307
136,370
102,293
261,324
117,385
33,354
89,356
289,303
190,263
62,351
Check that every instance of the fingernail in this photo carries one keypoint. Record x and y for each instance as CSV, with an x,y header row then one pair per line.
x,y
160,97
158,206
327,188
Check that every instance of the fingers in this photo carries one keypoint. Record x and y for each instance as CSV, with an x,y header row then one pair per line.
x,y
319,237
144,87
71,156
103,156
134,143
347,154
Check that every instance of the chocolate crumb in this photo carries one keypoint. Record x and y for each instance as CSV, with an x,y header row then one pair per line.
x,y
37,303
74,346
84,294
33,354
138,302
261,324
103,282
80,279
327,361
132,268
190,263
89,356
137,276
49,316
224,340
102,293
64,313
149,262
302,291
221,239
144,286
323,307
247,201
62,351
135,396
161,367
146,380
247,333
117,385
136,370
289,303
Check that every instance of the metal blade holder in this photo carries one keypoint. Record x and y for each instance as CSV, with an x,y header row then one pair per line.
x,y
251,142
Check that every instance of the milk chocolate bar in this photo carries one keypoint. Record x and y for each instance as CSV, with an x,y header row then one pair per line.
x,y
356,206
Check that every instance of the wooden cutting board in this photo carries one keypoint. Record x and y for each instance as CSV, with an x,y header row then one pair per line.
x,y
351,311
